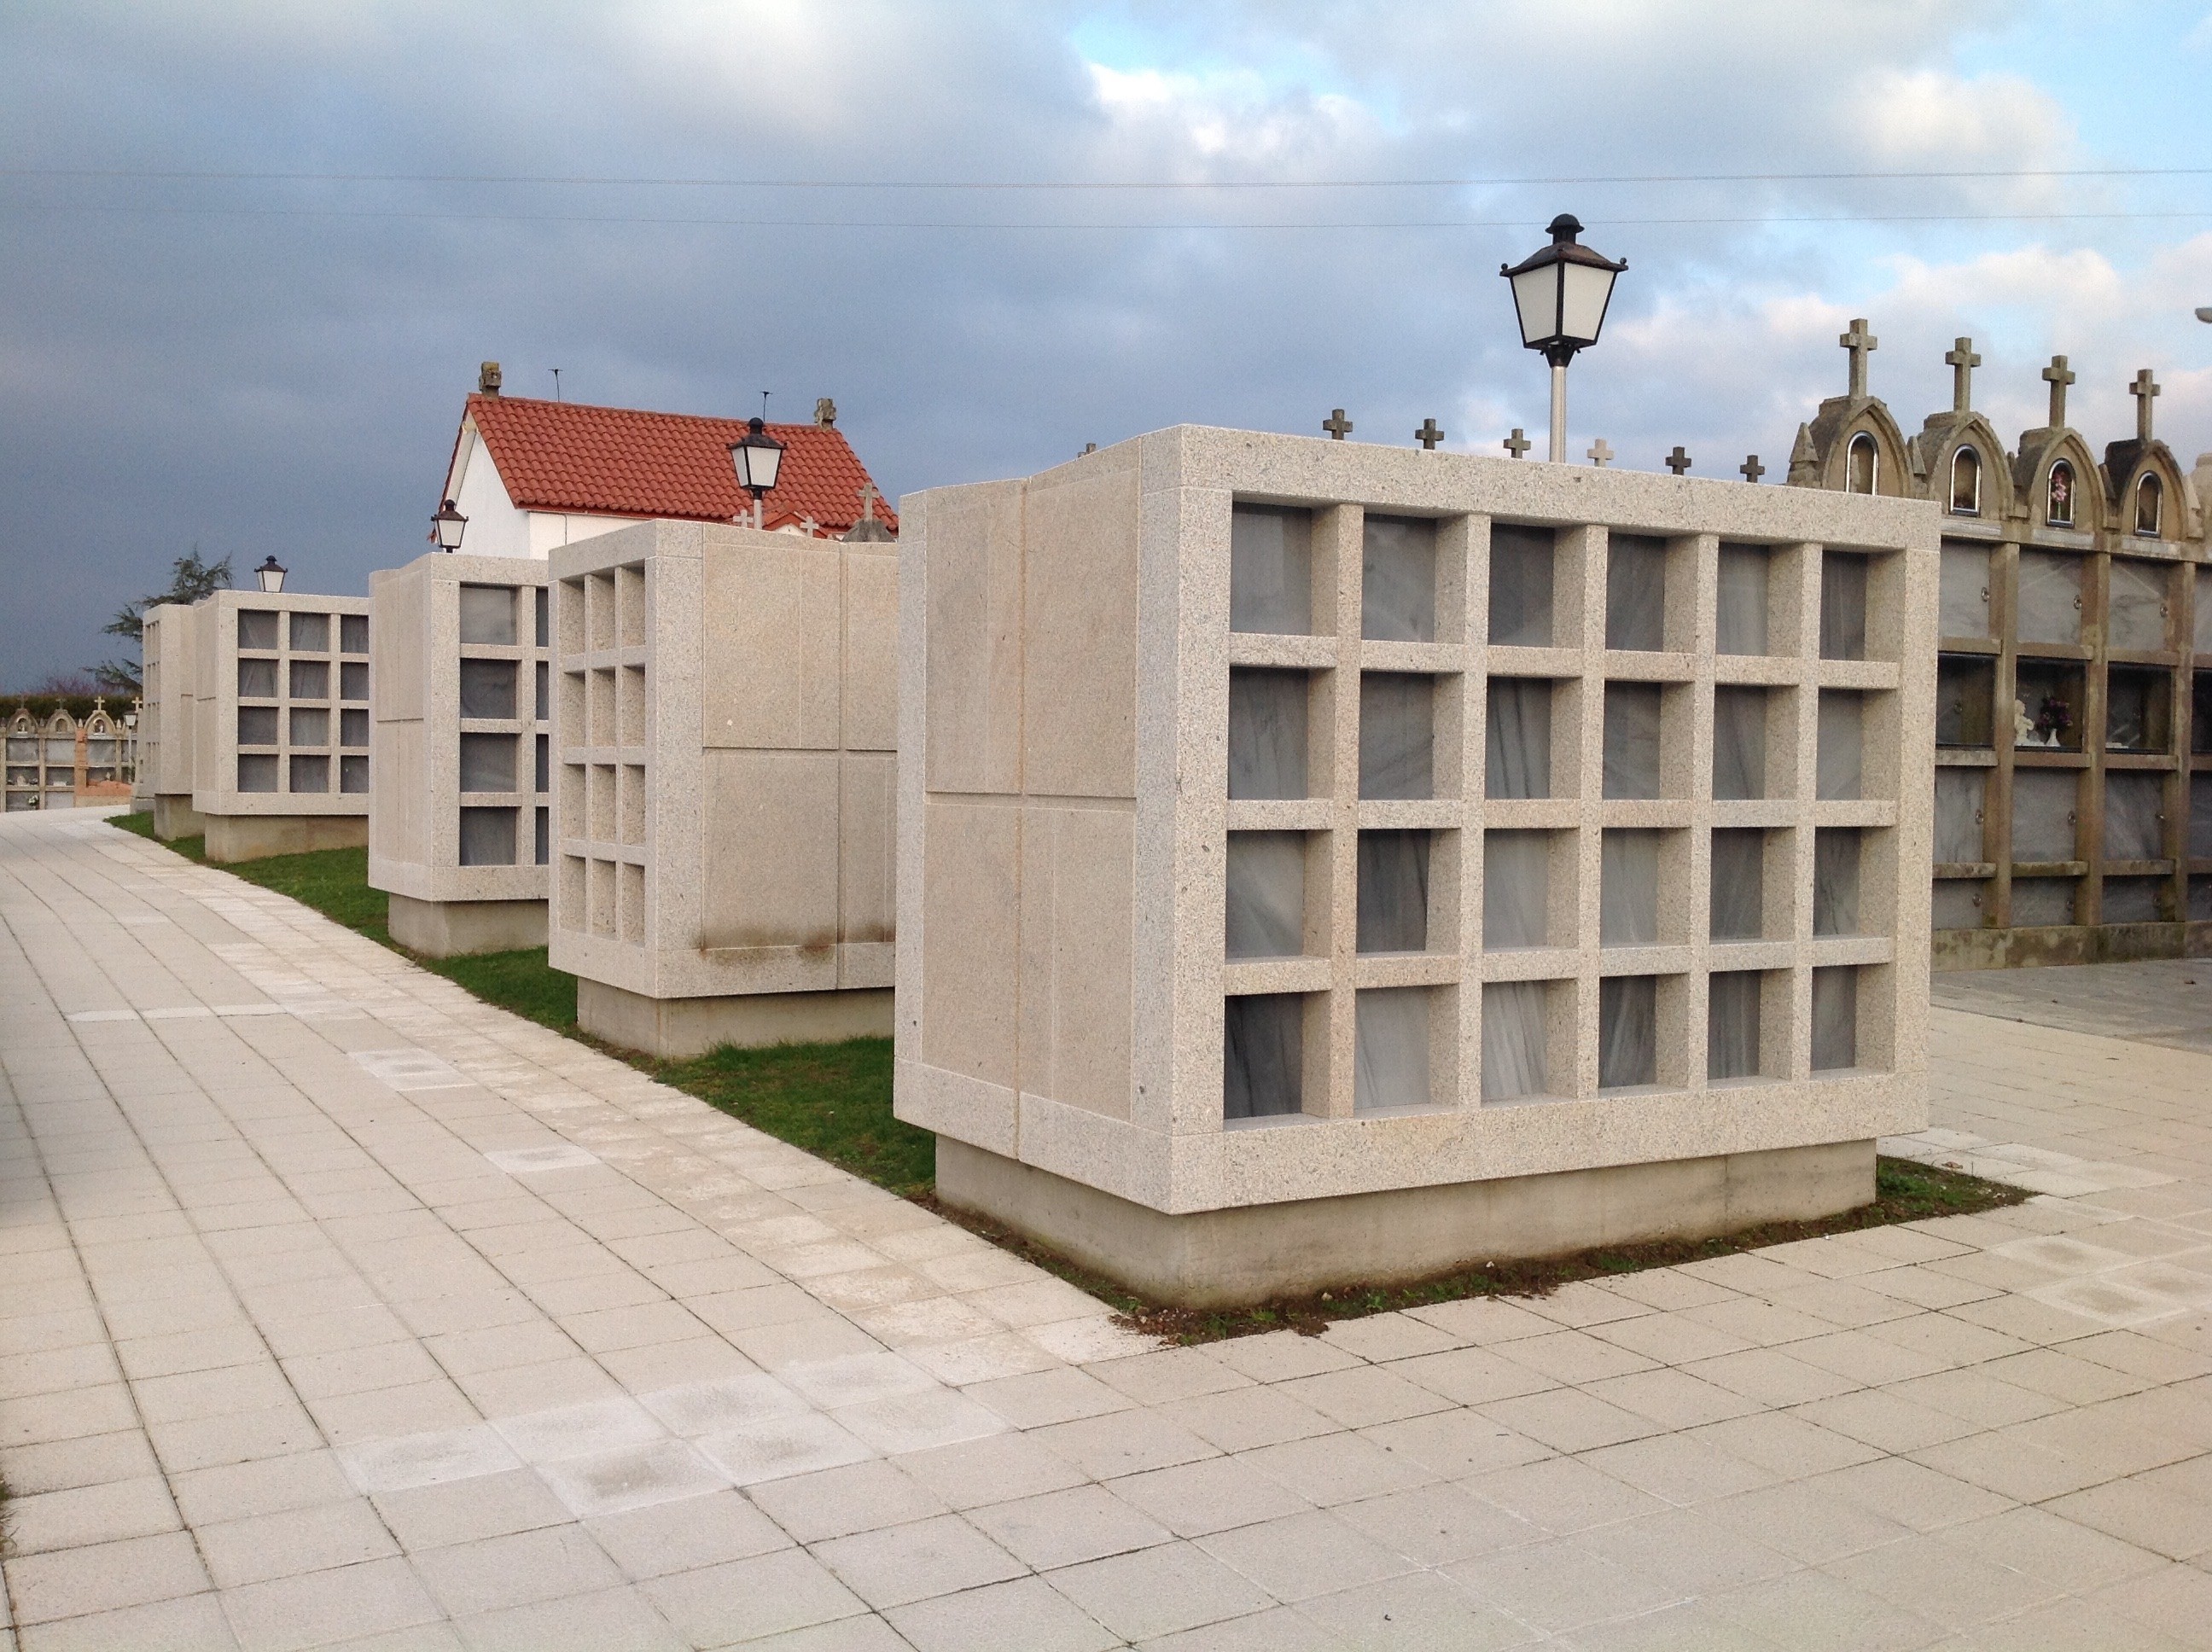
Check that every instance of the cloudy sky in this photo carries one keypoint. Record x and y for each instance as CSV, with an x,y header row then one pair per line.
x,y
252,252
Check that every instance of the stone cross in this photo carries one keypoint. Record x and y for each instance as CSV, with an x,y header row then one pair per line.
x,y
1859,342
810,527
1089,447
2060,375
1337,425
1678,461
1600,454
1751,469
867,495
1428,435
2142,390
1517,443
1963,362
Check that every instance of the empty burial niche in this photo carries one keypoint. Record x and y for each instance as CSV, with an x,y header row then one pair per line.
x,y
1962,601
1266,733
1517,888
1835,1017
1739,743
1270,570
2044,805
257,725
2135,816
1628,888
2203,621
1517,738
1732,1024
1398,579
1741,620
310,775
1263,1055
1836,880
310,633
256,679
1739,884
1840,770
487,837
257,628
353,634
2200,816
1843,604
2138,709
2050,596
1628,1031
1516,1040
1635,593
487,762
2048,705
2200,900
256,772
2135,607
2042,902
309,679
1521,574
1965,700
353,772
2133,900
1631,739
1390,1048
488,615
1266,878
311,726
1961,795
1397,735
1958,903
487,688
1393,892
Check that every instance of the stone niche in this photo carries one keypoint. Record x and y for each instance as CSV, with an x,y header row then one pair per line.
x,y
165,722
279,722
1322,863
460,822
726,775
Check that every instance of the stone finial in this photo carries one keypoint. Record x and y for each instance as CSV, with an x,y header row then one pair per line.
x,y
488,378
1428,435
1517,443
1804,460
2142,390
1600,454
1751,469
825,412
1337,425
1861,344
1963,362
1678,461
2059,375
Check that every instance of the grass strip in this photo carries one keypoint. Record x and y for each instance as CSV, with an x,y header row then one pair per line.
x,y
834,1100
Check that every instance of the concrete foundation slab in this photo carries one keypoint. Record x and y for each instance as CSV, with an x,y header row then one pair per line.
x,y
1254,1252
175,817
256,837
448,929
677,1028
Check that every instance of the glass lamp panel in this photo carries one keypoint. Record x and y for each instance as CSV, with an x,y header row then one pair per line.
x,y
1588,289
1536,300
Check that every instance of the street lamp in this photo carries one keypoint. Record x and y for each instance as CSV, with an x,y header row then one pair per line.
x,y
271,574
1560,293
449,525
756,456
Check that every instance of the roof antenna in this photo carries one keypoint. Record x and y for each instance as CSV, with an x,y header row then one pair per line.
x,y
764,407
556,384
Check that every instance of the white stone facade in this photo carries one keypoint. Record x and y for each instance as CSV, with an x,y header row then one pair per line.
x,y
280,721
165,726
1104,954
460,827
723,801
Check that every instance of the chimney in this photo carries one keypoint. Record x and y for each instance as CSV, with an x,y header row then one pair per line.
x,y
825,412
488,378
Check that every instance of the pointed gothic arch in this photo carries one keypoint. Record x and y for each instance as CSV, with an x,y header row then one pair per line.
x,y
2147,511
1966,482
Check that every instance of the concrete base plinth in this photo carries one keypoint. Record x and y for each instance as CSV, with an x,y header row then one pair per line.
x,y
449,929
1255,1253
175,817
675,1027
256,837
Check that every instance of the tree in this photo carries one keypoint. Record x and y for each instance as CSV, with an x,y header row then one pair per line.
x,y
190,579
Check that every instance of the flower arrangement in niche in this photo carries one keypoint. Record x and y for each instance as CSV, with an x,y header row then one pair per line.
x,y
2052,721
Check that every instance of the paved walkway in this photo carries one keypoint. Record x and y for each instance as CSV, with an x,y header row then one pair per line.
x,y
337,1309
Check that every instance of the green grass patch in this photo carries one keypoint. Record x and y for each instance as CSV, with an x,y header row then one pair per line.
x,y
835,1100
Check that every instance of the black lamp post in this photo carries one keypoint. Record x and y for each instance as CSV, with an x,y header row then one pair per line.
x,y
449,525
756,457
1560,293
271,574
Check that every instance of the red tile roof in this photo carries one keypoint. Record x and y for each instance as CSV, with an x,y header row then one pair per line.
x,y
620,461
